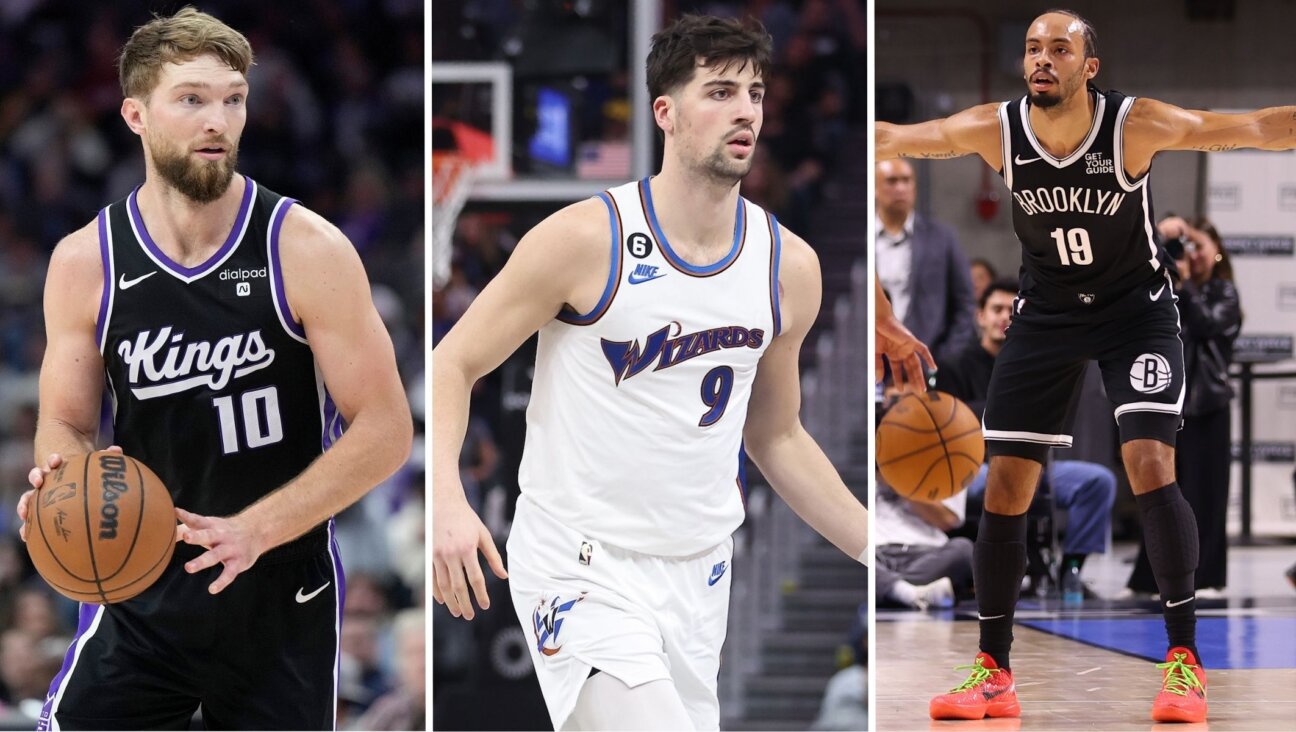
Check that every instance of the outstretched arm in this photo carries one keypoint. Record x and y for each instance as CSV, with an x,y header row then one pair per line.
x,y
1154,126
973,131
774,437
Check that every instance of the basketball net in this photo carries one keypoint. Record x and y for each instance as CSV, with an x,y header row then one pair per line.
x,y
451,180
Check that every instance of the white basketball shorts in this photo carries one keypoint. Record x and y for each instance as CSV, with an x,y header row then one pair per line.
x,y
585,604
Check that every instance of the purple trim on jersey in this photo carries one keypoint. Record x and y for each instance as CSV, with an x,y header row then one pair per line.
x,y
742,473
740,231
614,272
336,553
132,205
101,323
278,285
85,618
774,273
334,425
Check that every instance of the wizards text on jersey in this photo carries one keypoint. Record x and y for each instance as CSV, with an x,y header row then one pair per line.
x,y
162,363
628,358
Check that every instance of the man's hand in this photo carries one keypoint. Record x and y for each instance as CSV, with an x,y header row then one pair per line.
x,y
457,534
906,354
231,541
37,478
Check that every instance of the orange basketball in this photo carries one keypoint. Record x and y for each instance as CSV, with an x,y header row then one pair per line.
x,y
101,528
929,446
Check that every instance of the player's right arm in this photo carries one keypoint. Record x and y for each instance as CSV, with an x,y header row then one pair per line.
x,y
71,375
564,260
906,354
974,131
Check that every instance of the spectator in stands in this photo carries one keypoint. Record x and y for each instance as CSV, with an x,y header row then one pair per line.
x,y
1210,316
845,700
403,708
918,566
982,274
1086,490
921,266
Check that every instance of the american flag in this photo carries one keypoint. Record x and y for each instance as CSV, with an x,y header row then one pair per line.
x,y
604,160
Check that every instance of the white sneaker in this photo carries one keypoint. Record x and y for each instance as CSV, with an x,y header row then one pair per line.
x,y
938,594
1210,593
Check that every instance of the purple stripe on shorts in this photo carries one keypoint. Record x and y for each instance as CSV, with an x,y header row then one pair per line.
x,y
132,204
102,321
336,554
85,617
277,284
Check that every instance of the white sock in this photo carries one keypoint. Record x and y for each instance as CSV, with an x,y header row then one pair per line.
x,y
904,593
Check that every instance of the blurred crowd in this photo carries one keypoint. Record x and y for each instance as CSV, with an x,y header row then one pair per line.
x,y
335,119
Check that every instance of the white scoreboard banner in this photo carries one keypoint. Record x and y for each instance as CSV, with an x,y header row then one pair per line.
x,y
1251,199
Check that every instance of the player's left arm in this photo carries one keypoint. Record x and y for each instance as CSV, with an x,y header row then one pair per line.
x,y
1154,126
774,437
328,293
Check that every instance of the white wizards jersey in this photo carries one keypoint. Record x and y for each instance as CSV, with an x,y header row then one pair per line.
x,y
635,424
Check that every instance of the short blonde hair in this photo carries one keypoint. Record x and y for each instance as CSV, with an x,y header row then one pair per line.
x,y
182,37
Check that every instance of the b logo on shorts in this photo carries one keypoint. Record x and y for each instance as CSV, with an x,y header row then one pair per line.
x,y
1150,373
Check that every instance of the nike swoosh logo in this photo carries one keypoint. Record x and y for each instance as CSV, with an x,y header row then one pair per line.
x,y
307,598
636,280
126,284
1177,604
1019,161
989,617
712,580
1157,294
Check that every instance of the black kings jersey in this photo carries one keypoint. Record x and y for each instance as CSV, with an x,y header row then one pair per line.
x,y
1086,229
212,383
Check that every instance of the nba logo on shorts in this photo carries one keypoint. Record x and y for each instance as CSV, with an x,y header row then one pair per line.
x,y
243,289
1150,373
586,551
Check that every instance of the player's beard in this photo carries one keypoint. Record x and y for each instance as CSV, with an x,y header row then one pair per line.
x,y
201,181
1065,88
721,167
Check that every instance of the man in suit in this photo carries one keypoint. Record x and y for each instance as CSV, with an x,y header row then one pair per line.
x,y
921,266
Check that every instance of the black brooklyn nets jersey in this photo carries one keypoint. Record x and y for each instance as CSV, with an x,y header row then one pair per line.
x,y
212,383
1086,229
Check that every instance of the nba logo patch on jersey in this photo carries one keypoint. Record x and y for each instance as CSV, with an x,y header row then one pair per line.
x,y
586,552
1150,373
547,623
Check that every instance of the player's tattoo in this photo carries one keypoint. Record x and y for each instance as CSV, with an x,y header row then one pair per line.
x,y
943,155
1216,148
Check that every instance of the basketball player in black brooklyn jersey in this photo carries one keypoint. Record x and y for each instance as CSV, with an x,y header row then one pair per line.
x,y
1095,284
238,335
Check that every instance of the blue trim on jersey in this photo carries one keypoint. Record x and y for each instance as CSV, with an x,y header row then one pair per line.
x,y
742,472
774,274
101,323
277,283
740,230
240,221
614,272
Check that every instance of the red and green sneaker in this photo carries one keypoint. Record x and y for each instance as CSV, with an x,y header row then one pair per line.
x,y
988,691
1183,689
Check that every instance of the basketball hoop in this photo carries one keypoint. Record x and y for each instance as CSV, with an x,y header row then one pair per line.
x,y
451,180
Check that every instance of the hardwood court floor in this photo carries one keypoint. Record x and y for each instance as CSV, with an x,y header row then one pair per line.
x,y
1062,684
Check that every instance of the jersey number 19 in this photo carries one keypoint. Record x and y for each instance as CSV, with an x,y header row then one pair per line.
x,y
1073,246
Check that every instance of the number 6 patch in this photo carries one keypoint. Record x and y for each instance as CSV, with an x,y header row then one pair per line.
x,y
639,245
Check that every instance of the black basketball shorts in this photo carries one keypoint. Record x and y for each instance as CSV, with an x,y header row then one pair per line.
x,y
1035,386
261,654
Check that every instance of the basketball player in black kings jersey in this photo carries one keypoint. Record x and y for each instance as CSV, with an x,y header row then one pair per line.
x,y
238,335
1094,285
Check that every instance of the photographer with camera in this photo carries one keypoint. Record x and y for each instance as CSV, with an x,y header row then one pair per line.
x,y
1210,318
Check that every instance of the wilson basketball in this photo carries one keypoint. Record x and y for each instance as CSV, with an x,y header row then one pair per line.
x,y
101,528
929,446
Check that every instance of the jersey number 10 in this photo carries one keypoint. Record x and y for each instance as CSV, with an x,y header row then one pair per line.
x,y
1073,246
262,424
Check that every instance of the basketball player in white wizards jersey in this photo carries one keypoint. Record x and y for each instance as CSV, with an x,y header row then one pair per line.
x,y
671,313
